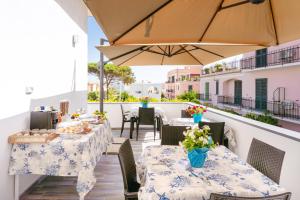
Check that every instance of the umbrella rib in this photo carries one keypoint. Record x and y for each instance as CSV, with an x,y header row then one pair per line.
x,y
162,60
141,21
151,51
192,55
274,24
208,51
211,20
235,4
164,51
172,50
179,51
126,53
142,50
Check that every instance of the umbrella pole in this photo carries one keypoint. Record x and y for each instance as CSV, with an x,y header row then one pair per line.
x,y
101,77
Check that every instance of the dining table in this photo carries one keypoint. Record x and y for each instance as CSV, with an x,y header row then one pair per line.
x,y
228,131
165,173
66,155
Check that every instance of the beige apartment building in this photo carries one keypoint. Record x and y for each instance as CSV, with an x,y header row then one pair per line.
x,y
182,80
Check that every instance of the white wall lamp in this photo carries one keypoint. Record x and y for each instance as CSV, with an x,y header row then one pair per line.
x,y
74,40
28,90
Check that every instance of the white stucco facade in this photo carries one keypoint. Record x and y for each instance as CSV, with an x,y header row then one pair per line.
x,y
37,51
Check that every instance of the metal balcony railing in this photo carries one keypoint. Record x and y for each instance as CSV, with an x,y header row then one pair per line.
x,y
281,109
205,97
277,57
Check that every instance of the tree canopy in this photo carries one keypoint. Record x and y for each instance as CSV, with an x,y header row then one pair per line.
x,y
113,73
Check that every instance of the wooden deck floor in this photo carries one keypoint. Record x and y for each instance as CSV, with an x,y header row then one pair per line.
x,y
109,184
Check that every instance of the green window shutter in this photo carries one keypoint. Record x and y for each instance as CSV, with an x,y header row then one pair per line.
x,y
207,91
238,92
217,87
261,58
261,93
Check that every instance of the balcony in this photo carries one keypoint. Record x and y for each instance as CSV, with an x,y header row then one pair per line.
x,y
288,110
274,58
226,69
278,57
205,97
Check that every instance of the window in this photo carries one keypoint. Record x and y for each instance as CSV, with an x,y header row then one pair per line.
x,y
217,87
190,88
206,91
261,93
261,58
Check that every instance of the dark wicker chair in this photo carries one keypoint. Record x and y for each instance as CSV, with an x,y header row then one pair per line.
x,y
217,131
284,196
128,168
185,114
146,117
172,135
125,118
266,159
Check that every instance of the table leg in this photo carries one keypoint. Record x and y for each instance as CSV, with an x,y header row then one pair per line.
x,y
16,195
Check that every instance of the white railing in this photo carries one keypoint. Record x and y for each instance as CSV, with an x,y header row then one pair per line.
x,y
244,129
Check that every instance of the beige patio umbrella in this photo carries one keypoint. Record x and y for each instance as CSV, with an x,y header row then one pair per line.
x,y
259,22
175,54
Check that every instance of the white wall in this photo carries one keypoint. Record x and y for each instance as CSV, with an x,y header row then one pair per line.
x,y
114,112
36,51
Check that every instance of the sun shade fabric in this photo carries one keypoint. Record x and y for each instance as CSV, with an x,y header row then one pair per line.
x,y
188,21
139,55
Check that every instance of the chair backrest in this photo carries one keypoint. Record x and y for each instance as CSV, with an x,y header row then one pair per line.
x,y
172,135
266,159
216,130
127,164
284,196
185,114
146,116
122,109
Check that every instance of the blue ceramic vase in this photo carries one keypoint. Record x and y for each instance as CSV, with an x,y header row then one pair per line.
x,y
197,118
144,105
197,157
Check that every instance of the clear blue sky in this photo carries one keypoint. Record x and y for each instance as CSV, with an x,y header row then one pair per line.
x,y
155,74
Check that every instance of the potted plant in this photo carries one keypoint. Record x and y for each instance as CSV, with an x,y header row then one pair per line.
x,y
218,67
101,116
196,112
206,70
145,101
197,142
75,115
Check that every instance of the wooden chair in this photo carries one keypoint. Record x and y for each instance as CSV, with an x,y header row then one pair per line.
x,y
266,159
128,168
146,117
284,196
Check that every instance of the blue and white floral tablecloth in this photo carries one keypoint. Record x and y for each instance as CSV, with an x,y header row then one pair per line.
x,y
165,174
66,155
